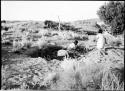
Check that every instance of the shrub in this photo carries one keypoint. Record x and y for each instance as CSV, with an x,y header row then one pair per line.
x,y
2,32
68,34
77,75
6,42
17,45
5,28
113,15
55,25
112,40
113,78
44,32
3,21
26,43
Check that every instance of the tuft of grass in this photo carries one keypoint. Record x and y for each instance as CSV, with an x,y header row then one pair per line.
x,y
44,32
80,75
111,81
66,34
6,42
17,45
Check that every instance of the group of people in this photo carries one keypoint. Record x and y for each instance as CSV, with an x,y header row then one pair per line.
x,y
101,41
100,44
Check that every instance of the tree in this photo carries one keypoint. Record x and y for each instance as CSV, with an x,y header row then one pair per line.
x,y
112,14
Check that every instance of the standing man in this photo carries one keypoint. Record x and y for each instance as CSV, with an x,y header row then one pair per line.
x,y
100,42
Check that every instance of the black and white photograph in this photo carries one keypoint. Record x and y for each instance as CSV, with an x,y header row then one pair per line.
x,y
62,45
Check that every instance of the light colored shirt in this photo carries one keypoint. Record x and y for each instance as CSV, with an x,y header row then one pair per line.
x,y
71,46
100,41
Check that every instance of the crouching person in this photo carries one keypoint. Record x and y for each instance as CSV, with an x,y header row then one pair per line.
x,y
73,45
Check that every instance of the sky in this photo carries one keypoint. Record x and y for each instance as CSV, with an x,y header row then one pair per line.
x,y
50,10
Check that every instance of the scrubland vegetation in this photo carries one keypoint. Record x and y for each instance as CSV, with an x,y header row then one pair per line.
x,y
37,66
30,62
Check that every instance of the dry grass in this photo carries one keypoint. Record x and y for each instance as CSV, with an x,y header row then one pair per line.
x,y
16,46
27,74
85,73
24,43
43,32
112,40
92,71
41,42
80,76
66,34
89,74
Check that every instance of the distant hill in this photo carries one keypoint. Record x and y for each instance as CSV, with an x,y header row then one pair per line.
x,y
86,25
91,20
81,25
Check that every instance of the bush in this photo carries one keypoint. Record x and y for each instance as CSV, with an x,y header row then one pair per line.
x,y
5,28
3,21
79,75
55,25
16,46
6,42
113,15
